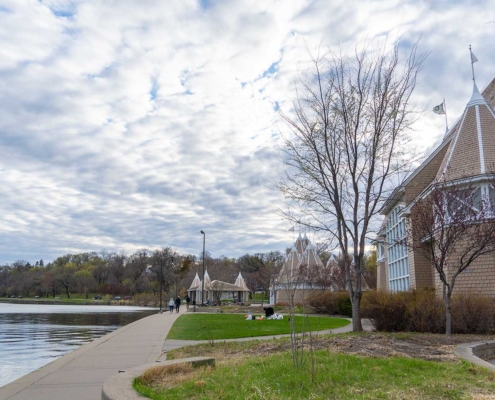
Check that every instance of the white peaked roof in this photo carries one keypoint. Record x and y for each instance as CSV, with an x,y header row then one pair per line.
x,y
302,253
239,282
207,281
238,286
196,283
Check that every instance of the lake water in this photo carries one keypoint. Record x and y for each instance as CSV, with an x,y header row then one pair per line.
x,y
33,335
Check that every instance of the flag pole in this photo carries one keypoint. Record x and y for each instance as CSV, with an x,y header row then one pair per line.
x,y
472,63
445,109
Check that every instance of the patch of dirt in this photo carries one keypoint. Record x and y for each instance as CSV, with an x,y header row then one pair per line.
x,y
433,347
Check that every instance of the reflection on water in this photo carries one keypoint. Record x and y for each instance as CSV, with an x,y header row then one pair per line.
x,y
32,335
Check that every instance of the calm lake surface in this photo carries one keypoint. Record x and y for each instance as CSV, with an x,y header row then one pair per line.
x,y
33,335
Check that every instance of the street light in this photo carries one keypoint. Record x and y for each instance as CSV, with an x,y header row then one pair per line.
x,y
161,280
203,286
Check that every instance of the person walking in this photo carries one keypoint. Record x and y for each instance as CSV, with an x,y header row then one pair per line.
x,y
177,303
188,300
171,304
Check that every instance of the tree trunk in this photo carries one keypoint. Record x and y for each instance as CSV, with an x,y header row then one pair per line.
x,y
357,326
448,315
67,291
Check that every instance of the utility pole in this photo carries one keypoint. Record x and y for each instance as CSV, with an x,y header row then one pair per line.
x,y
161,281
203,286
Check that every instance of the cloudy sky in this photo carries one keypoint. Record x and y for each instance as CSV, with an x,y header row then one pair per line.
x,y
128,124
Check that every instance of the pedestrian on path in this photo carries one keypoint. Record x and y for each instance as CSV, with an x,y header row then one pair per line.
x,y
188,300
171,305
177,303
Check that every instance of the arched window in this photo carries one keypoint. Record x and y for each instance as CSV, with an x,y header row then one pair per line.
x,y
398,268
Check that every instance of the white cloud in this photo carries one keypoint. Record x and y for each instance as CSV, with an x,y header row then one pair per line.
x,y
135,124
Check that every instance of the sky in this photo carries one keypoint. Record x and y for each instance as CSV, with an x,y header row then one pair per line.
x,y
129,124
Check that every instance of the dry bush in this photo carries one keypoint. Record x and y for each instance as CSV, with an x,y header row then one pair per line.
x,y
166,375
326,302
147,299
322,302
472,314
423,311
387,311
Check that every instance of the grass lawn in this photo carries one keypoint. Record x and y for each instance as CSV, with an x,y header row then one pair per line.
x,y
232,326
339,376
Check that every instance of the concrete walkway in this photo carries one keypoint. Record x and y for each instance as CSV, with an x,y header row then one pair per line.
x,y
80,374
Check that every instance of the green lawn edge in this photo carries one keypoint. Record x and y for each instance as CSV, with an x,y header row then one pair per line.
x,y
234,326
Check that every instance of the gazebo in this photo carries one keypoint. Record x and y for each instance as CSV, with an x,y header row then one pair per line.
x,y
216,290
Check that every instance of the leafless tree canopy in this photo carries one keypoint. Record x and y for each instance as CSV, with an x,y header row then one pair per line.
x,y
349,131
452,226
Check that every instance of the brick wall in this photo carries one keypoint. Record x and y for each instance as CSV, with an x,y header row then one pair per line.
x,y
478,278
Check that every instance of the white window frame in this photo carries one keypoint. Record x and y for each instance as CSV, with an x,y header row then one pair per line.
x,y
397,255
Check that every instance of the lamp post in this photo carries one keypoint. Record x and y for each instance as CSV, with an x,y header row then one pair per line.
x,y
161,282
203,286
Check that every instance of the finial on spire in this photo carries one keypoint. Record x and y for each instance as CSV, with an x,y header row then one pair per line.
x,y
473,60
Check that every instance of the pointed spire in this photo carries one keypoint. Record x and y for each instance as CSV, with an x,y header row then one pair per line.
x,y
476,99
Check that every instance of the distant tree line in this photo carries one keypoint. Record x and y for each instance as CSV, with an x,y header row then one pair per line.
x,y
126,275
104,273
118,274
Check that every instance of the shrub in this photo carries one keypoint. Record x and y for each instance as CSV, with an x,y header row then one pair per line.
x,y
425,312
387,311
344,305
472,314
326,302
322,302
148,299
422,311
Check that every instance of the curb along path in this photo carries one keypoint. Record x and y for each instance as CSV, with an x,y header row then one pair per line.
x,y
80,374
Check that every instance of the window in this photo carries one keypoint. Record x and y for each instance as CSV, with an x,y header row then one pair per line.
x,y
380,252
398,268
466,204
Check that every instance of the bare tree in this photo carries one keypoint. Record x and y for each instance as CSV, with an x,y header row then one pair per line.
x,y
297,285
261,270
452,226
349,130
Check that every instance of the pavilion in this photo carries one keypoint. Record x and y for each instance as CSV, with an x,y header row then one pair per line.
x,y
216,290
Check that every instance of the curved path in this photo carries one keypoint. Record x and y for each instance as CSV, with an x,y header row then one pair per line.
x,y
80,374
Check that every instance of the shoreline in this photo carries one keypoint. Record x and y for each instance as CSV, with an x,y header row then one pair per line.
x,y
81,373
74,303
61,302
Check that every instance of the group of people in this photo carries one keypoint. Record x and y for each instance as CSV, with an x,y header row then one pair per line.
x,y
176,303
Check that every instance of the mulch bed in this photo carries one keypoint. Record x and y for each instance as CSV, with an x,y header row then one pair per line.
x,y
432,347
